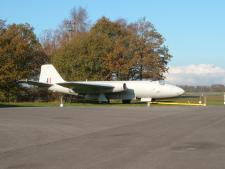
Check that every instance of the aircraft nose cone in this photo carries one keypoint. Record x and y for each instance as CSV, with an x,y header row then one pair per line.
x,y
180,91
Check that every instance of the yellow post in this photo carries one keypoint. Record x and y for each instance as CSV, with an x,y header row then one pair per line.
x,y
224,98
205,101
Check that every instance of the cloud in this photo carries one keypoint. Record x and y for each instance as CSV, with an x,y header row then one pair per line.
x,y
201,74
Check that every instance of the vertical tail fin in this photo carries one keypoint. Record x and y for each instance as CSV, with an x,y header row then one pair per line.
x,y
49,75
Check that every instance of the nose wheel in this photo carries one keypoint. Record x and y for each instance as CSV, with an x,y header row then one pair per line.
x,y
126,101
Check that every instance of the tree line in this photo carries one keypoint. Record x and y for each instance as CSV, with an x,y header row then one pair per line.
x,y
212,88
21,56
105,50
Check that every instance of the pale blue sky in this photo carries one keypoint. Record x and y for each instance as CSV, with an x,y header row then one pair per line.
x,y
194,29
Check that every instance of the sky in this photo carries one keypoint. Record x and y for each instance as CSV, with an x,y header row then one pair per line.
x,y
194,29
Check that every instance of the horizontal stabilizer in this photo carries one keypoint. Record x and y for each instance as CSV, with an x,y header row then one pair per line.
x,y
35,83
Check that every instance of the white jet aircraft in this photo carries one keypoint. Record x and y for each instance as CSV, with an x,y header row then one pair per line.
x,y
103,91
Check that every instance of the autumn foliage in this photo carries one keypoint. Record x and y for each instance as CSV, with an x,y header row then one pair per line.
x,y
109,50
105,50
21,56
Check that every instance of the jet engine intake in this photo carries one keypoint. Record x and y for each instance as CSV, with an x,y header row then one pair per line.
x,y
119,87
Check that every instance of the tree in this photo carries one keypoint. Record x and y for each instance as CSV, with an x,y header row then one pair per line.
x,y
97,54
118,60
148,50
75,24
2,25
21,56
114,50
83,57
69,59
49,43
136,50
78,21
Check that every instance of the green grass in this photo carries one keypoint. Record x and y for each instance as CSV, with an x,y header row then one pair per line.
x,y
56,104
213,98
28,104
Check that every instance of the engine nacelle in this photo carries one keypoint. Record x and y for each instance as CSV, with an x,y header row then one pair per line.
x,y
119,87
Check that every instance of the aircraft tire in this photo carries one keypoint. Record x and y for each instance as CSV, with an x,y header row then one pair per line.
x,y
126,101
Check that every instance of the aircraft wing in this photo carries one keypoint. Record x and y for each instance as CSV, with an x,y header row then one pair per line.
x,y
35,83
86,87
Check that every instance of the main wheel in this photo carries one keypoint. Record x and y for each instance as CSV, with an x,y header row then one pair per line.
x,y
126,101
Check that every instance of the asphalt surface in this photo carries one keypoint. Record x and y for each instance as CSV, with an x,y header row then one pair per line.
x,y
112,138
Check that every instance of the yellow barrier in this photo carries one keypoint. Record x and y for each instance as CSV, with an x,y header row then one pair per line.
x,y
176,103
183,104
